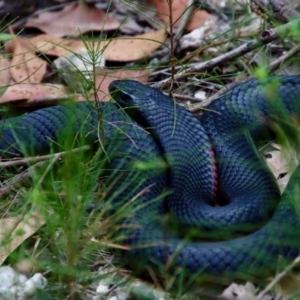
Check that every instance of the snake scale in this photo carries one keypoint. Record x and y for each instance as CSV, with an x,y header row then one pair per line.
x,y
180,166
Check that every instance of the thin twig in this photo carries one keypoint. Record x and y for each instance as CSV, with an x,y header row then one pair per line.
x,y
277,279
282,10
19,179
35,159
49,167
172,48
265,37
276,63
186,98
199,106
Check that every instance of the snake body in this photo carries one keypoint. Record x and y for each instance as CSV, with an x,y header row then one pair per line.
x,y
187,165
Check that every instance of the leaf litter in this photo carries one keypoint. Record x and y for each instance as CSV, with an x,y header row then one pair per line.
x,y
73,20
28,67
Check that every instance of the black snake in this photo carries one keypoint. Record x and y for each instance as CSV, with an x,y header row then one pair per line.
x,y
181,166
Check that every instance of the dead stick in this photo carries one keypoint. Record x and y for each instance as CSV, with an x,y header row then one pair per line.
x,y
265,37
35,159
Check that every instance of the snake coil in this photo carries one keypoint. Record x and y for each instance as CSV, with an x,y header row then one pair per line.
x,y
193,163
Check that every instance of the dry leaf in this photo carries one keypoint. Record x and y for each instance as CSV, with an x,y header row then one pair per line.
x,y
77,69
13,232
55,46
4,70
33,93
74,19
288,287
119,49
282,163
240,292
198,18
26,67
105,76
178,8
42,94
134,48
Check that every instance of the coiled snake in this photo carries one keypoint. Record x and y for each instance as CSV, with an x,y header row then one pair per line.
x,y
182,166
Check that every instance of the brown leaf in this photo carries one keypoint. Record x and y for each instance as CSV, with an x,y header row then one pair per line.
x,y
33,93
134,48
55,46
105,76
13,232
119,49
25,65
4,70
74,19
178,9
197,20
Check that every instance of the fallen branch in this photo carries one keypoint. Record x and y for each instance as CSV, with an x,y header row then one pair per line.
x,y
265,37
35,159
18,180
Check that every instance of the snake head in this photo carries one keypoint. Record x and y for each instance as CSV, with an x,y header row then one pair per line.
x,y
131,93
